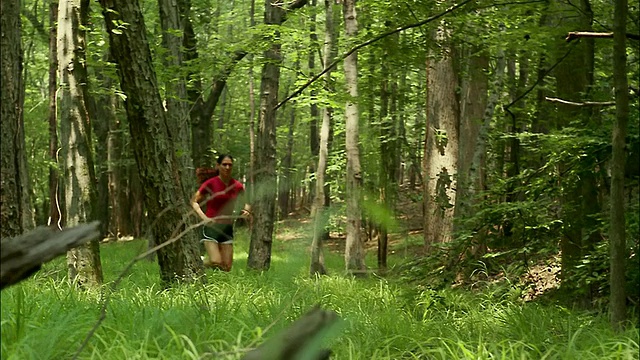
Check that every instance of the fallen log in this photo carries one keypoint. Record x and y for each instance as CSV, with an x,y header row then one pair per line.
x,y
22,256
301,340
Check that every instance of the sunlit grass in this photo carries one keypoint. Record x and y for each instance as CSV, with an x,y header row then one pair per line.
x,y
382,318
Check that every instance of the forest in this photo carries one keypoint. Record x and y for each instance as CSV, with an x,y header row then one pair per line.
x,y
422,179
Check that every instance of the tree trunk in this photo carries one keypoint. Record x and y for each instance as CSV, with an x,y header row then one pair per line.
x,y
115,170
318,210
55,205
264,203
286,175
572,83
252,114
172,20
85,269
103,116
151,141
314,138
441,156
473,105
11,193
354,251
617,303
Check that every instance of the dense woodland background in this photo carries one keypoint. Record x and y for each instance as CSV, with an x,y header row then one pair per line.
x,y
503,140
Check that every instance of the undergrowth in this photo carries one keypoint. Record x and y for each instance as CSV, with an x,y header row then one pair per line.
x,y
382,318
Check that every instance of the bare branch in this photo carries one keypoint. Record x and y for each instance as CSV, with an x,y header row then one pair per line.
x,y
580,34
586,103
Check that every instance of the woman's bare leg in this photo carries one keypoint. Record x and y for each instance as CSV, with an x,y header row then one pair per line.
x,y
226,253
215,256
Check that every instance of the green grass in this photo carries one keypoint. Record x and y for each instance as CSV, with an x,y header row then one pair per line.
x,y
43,318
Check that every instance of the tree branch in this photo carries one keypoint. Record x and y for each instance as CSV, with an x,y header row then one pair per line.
x,y
586,103
579,34
367,43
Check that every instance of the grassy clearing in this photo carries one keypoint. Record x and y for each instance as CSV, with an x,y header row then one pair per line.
x,y
43,318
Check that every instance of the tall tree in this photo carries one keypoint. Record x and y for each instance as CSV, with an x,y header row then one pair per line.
x,y
617,231
265,176
85,269
354,251
154,152
54,193
318,211
14,177
472,107
573,81
441,156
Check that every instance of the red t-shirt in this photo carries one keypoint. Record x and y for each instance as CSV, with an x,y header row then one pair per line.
x,y
221,204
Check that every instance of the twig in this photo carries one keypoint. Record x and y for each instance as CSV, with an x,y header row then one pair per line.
x,y
601,35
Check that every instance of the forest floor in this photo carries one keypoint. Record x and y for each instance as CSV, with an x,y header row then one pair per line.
x,y
382,318
406,242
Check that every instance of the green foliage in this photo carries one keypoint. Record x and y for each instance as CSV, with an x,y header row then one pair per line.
x,y
233,312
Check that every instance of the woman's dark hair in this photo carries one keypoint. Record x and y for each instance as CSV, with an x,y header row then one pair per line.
x,y
205,173
222,157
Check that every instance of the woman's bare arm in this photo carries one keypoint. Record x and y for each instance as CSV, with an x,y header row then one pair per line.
x,y
195,204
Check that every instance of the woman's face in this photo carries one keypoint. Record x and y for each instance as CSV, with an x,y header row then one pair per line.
x,y
225,167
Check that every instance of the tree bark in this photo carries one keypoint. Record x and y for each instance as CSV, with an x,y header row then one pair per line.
x,y
265,201
617,234
314,138
55,205
473,105
252,113
152,146
318,210
441,154
13,203
85,269
354,251
173,15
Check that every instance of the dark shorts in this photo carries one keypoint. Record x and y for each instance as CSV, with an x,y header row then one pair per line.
x,y
220,233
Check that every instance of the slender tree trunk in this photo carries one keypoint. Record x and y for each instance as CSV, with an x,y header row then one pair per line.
x,y
55,205
114,166
314,138
473,105
572,83
151,141
441,154
85,269
103,114
354,251
11,103
617,233
318,210
264,203
252,114
285,182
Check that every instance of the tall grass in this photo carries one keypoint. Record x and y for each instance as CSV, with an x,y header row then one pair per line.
x,y
43,318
